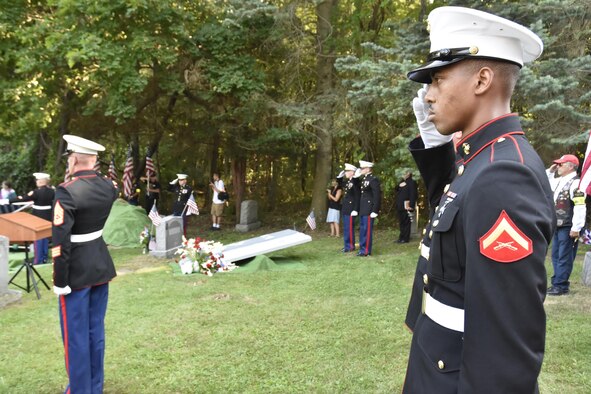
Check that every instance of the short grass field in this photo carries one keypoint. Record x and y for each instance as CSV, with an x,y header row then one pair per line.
x,y
333,324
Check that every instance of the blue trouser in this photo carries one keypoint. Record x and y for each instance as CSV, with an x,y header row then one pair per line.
x,y
41,249
564,250
82,320
365,234
349,232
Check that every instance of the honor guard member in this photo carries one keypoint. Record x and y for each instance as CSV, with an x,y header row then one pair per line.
x,y
350,208
369,206
406,199
182,193
570,218
480,279
82,266
42,198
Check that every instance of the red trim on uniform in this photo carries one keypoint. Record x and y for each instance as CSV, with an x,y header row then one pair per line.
x,y
75,178
65,328
492,142
367,240
460,142
516,147
351,232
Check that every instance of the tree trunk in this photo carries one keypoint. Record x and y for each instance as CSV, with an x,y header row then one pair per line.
x,y
324,90
238,182
64,126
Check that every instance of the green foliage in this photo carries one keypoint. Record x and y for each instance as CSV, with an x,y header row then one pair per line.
x,y
208,83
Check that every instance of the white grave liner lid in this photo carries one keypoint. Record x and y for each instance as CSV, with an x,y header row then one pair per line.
x,y
264,244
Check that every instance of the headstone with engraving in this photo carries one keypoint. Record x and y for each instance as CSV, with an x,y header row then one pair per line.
x,y
7,295
586,272
169,237
249,219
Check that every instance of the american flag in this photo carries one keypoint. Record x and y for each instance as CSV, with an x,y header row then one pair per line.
x,y
154,216
97,165
311,220
112,171
150,169
128,176
192,208
585,181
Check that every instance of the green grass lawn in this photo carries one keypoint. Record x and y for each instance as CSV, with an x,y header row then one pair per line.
x,y
336,325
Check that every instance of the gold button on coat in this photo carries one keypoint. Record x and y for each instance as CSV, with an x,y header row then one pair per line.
x,y
425,279
435,223
461,169
430,234
446,188
440,364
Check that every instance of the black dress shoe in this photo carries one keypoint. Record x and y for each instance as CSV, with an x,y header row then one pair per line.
x,y
362,254
555,291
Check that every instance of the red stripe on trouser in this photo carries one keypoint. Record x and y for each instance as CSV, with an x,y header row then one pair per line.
x,y
351,244
65,328
367,239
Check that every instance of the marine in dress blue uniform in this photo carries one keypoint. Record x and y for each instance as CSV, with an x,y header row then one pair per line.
x,y
42,198
476,309
82,265
182,193
350,207
369,206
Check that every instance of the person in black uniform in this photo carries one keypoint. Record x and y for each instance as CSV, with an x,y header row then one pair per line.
x,y
406,199
480,279
182,193
152,191
82,266
350,206
369,206
42,198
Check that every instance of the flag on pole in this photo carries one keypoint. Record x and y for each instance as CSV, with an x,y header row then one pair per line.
x,y
150,169
154,216
192,208
97,165
128,176
585,182
311,220
112,171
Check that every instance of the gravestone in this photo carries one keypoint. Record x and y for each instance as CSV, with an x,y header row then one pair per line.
x,y
169,237
414,225
7,295
249,220
586,272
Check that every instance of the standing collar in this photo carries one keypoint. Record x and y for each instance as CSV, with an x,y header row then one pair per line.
x,y
83,173
471,145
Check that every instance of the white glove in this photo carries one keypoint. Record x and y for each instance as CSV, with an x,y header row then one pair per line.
x,y
354,213
431,137
373,215
174,182
357,173
62,290
341,174
4,201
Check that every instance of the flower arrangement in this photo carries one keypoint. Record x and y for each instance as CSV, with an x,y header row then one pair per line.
x,y
199,255
145,240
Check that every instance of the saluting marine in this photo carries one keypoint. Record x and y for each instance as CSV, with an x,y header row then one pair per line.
x,y
369,206
42,198
476,309
182,193
350,207
82,265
